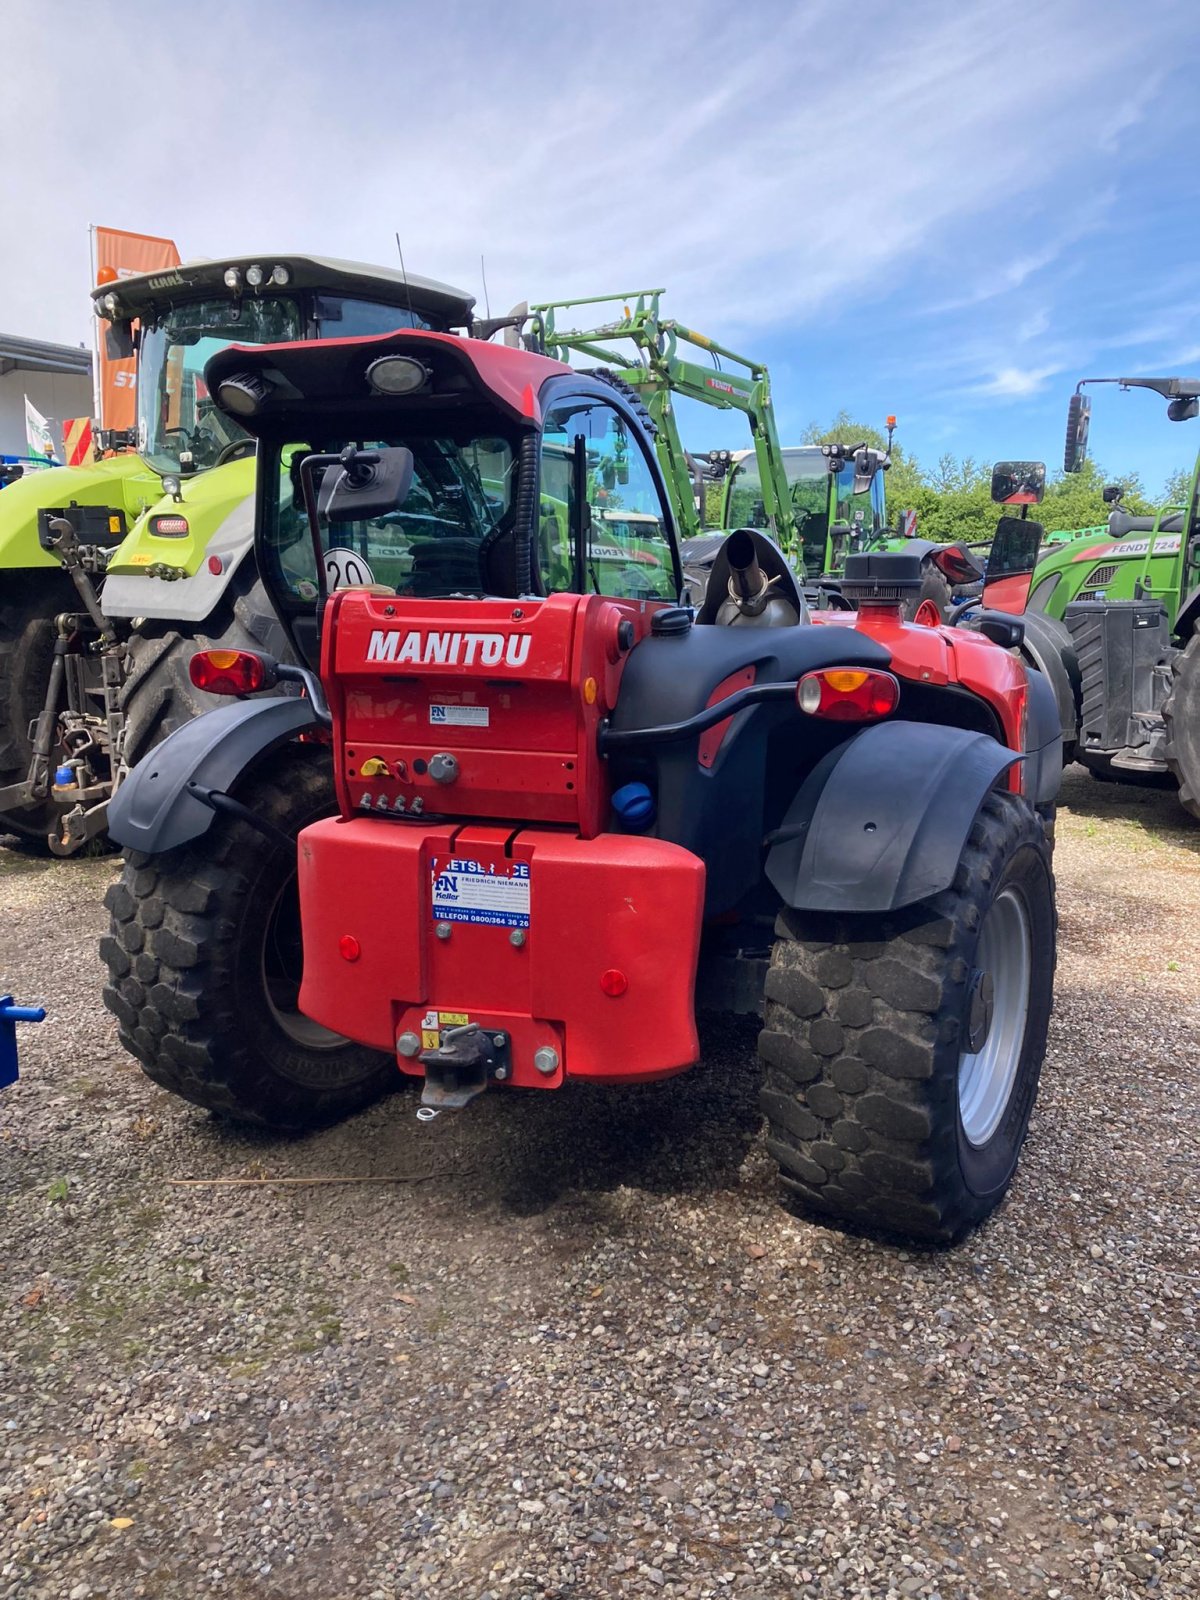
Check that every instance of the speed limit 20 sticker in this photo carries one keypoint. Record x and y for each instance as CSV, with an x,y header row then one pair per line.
x,y
346,569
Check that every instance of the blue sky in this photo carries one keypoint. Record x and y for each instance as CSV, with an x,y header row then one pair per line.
x,y
946,210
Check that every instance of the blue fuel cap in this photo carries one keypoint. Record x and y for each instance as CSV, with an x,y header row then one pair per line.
x,y
634,804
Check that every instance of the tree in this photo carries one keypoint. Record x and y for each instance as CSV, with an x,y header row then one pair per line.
x,y
1178,487
953,499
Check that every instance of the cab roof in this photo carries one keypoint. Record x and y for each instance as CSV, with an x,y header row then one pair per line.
x,y
315,382
195,279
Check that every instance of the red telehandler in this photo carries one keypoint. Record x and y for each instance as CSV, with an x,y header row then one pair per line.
x,y
520,824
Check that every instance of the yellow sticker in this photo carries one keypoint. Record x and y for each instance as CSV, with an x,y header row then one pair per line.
x,y
114,524
453,1019
430,1039
142,560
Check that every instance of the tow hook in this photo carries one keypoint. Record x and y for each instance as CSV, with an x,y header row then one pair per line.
x,y
461,1067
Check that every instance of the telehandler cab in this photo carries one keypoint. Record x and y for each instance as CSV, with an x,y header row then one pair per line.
x,y
520,826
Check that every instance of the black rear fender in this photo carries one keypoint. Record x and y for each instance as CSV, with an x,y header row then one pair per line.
x,y
157,807
881,821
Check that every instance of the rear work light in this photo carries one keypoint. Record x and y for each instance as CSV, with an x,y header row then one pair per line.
x,y
848,694
173,527
231,671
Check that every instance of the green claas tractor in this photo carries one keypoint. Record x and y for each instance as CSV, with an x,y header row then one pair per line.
x,y
111,573
530,813
1124,606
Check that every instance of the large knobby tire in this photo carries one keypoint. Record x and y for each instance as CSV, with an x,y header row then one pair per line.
x,y
158,696
30,603
888,1104
204,963
1181,714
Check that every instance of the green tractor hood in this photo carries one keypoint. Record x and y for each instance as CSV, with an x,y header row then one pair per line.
x,y
164,570
123,483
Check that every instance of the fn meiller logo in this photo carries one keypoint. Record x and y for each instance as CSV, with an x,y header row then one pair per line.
x,y
449,649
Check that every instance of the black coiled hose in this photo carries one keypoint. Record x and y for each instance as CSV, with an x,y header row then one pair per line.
x,y
524,511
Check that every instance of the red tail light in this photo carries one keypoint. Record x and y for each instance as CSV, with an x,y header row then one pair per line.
x,y
229,671
848,694
173,527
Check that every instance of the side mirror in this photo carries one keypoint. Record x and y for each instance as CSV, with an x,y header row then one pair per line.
x,y
1011,562
1079,416
118,341
1111,494
1018,483
867,462
957,565
364,484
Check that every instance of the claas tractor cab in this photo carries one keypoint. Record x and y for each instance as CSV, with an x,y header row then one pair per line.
x,y
116,570
525,820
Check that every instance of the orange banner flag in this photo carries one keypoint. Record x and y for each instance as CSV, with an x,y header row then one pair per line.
x,y
124,255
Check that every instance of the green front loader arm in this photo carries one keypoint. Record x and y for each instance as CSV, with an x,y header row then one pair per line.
x,y
659,373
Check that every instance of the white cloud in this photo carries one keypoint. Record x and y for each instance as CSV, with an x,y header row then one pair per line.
x,y
1017,382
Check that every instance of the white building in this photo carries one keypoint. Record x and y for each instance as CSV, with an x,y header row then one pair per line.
x,y
56,377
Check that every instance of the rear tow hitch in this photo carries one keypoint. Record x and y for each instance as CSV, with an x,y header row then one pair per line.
x,y
462,1066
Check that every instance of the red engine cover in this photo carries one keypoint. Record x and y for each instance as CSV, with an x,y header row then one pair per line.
x,y
519,932
512,692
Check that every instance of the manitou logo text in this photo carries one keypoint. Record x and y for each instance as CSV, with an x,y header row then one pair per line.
x,y
450,649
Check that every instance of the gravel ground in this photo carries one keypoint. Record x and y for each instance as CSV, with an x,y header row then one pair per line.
x,y
579,1350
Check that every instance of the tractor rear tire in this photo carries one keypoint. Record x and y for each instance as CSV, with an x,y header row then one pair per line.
x,y
203,965
31,602
934,586
1181,714
879,1112
159,696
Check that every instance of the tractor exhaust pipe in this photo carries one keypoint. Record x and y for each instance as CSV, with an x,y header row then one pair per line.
x,y
748,584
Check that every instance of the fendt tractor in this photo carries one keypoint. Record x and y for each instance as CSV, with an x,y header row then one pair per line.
x,y
1123,605
519,824
113,571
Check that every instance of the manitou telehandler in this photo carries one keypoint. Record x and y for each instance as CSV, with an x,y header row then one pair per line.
x,y
519,827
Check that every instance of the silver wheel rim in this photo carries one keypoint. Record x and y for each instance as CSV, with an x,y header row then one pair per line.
x,y
1000,1004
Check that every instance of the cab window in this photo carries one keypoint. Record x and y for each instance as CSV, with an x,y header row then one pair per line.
x,y
628,551
339,317
454,521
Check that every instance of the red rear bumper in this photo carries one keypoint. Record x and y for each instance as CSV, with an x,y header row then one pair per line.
x,y
413,929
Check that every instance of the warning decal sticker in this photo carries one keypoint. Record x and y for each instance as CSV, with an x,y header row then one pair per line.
x,y
496,895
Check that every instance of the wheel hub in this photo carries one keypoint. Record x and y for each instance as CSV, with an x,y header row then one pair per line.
x,y
981,1010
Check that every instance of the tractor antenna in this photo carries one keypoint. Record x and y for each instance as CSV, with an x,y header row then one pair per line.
x,y
404,274
483,274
